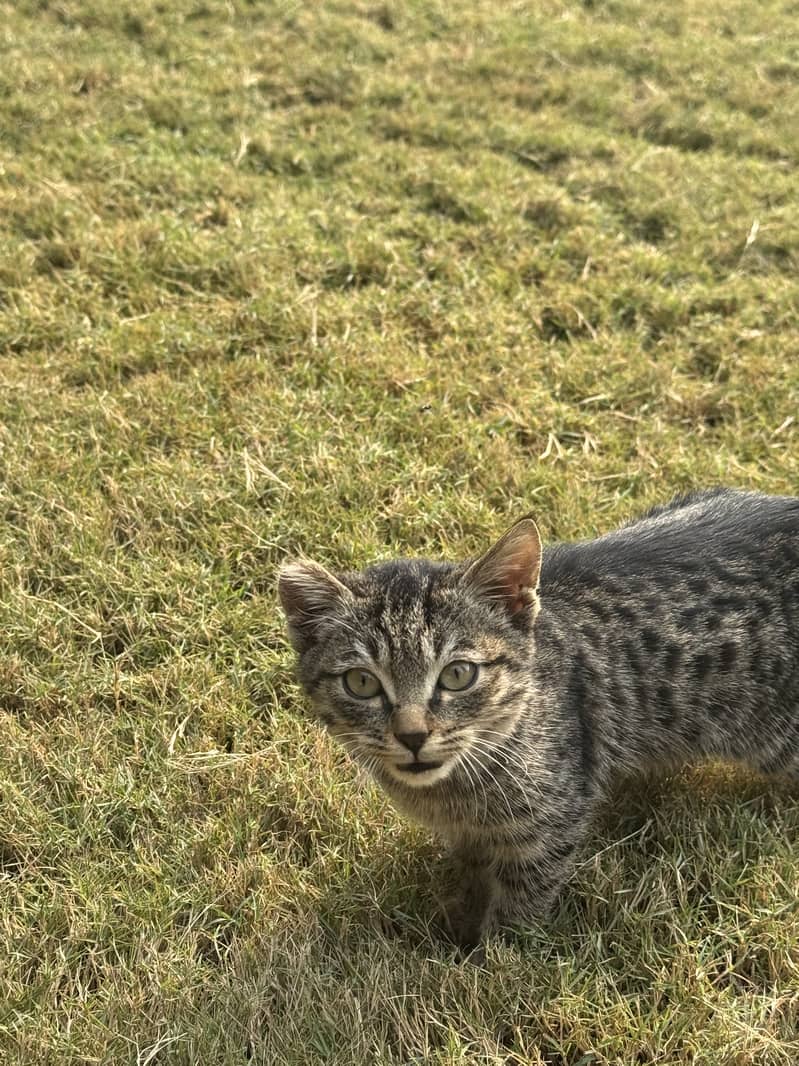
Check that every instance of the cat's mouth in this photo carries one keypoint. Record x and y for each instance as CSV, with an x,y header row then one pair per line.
x,y
420,773
418,767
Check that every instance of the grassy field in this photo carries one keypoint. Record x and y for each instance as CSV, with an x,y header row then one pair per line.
x,y
365,279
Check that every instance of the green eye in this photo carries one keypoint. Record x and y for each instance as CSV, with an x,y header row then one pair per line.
x,y
361,684
457,676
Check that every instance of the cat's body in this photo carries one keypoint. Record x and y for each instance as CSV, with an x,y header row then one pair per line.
x,y
523,685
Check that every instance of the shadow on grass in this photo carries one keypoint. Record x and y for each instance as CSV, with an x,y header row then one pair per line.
x,y
665,851
668,885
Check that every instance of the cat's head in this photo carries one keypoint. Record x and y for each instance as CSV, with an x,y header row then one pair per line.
x,y
414,665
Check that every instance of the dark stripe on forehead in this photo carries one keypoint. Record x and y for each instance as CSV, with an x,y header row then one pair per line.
x,y
500,660
405,586
371,644
428,607
389,635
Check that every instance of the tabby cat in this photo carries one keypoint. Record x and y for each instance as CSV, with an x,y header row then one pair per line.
x,y
497,700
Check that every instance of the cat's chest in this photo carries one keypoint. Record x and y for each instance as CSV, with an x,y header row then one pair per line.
x,y
461,816
437,811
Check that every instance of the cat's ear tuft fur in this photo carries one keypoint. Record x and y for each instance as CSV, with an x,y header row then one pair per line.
x,y
308,594
508,573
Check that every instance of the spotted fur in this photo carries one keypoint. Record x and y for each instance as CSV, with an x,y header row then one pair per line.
x,y
673,638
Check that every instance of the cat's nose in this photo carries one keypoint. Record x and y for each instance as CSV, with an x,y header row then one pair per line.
x,y
412,741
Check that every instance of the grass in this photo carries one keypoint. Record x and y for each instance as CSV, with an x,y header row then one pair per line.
x,y
363,279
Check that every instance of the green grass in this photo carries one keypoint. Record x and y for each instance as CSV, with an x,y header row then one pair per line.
x,y
365,279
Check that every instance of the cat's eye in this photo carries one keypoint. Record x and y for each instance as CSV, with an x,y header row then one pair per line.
x,y
361,684
457,676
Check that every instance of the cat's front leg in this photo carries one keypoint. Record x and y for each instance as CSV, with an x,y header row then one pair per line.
x,y
468,913
527,881
506,886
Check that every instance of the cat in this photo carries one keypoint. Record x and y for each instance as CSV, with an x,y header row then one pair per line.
x,y
498,700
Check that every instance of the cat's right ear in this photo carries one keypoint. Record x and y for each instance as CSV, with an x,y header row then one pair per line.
x,y
308,594
509,572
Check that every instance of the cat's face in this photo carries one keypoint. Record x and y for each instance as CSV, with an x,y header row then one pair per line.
x,y
416,666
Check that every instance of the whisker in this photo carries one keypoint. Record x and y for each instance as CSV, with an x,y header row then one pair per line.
x,y
336,621
471,778
511,757
508,764
346,736
514,755
475,754
523,798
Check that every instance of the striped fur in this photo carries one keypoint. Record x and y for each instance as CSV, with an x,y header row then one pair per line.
x,y
673,638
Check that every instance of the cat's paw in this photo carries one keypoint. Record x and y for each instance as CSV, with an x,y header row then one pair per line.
x,y
464,926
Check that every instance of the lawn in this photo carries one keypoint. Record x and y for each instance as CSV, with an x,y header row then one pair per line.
x,y
365,279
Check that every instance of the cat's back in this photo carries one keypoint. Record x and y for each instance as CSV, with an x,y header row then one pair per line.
x,y
680,631
732,517
719,534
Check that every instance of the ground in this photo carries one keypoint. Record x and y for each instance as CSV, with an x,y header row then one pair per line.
x,y
364,279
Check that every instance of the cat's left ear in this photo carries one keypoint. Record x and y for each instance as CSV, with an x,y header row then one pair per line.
x,y
508,573
309,594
